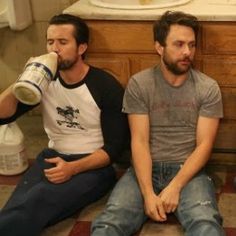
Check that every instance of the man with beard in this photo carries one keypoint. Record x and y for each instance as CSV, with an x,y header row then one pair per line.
x,y
173,112
86,129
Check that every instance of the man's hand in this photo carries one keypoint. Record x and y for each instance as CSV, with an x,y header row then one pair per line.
x,y
170,198
62,171
154,208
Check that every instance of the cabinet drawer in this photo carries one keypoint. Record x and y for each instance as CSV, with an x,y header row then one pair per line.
x,y
121,37
219,38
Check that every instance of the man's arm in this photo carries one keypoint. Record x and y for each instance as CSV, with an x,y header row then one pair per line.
x,y
8,103
205,136
139,127
11,108
64,170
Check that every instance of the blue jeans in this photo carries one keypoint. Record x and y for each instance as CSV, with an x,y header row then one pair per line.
x,y
37,203
124,213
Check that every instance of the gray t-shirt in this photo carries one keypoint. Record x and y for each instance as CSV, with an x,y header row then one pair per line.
x,y
173,111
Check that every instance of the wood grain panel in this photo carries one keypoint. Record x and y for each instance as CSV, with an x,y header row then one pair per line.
x,y
118,67
221,68
219,38
226,137
121,36
229,103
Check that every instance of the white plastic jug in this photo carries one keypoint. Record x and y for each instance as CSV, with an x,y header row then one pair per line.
x,y
33,82
13,158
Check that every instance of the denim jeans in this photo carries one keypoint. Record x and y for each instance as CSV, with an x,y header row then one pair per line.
x,y
37,203
124,213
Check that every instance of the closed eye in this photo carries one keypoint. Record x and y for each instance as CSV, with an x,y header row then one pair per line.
x,y
179,44
63,41
50,41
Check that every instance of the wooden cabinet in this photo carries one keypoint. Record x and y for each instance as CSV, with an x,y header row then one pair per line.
x,y
219,61
118,67
121,47
126,47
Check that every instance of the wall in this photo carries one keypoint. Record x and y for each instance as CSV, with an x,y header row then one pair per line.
x,y
17,46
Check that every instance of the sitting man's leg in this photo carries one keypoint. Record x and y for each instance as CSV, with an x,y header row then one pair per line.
x,y
197,210
16,215
37,203
124,213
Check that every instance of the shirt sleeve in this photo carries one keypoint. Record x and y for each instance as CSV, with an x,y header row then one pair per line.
x,y
20,110
108,94
134,101
114,123
212,103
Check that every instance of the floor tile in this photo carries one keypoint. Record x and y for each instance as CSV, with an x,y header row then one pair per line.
x,y
161,229
79,224
5,192
91,211
227,206
61,229
81,228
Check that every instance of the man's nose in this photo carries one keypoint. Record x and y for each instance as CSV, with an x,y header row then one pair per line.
x,y
54,48
187,50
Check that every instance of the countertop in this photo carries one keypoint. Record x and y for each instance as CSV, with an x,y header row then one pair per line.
x,y
205,10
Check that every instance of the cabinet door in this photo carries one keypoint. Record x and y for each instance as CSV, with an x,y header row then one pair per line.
x,y
118,67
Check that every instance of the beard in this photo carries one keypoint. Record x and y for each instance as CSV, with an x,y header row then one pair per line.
x,y
66,64
174,67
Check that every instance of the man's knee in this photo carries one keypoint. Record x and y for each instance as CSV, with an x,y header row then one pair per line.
x,y
115,220
203,220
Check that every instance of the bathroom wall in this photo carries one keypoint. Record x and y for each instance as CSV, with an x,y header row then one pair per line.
x,y
17,46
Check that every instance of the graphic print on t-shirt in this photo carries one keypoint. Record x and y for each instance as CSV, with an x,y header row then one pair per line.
x,y
70,118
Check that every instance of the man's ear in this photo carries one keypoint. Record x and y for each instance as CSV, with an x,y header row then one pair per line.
x,y
82,48
159,48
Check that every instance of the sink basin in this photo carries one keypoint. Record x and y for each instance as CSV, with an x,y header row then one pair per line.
x,y
137,4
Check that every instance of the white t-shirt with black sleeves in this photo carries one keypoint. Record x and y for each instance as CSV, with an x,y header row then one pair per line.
x,y
83,117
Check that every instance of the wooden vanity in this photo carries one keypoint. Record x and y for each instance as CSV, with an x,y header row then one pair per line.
x,y
124,47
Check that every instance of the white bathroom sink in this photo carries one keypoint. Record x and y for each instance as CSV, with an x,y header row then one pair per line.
x,y
137,4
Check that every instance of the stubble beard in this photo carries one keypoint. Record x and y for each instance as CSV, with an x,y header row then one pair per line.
x,y
174,68
67,64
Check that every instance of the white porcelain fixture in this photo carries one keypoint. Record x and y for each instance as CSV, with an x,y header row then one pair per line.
x,y
15,13
137,4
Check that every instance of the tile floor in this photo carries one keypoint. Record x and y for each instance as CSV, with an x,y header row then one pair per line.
x,y
79,224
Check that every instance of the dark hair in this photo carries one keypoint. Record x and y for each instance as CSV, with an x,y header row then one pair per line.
x,y
81,32
161,27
